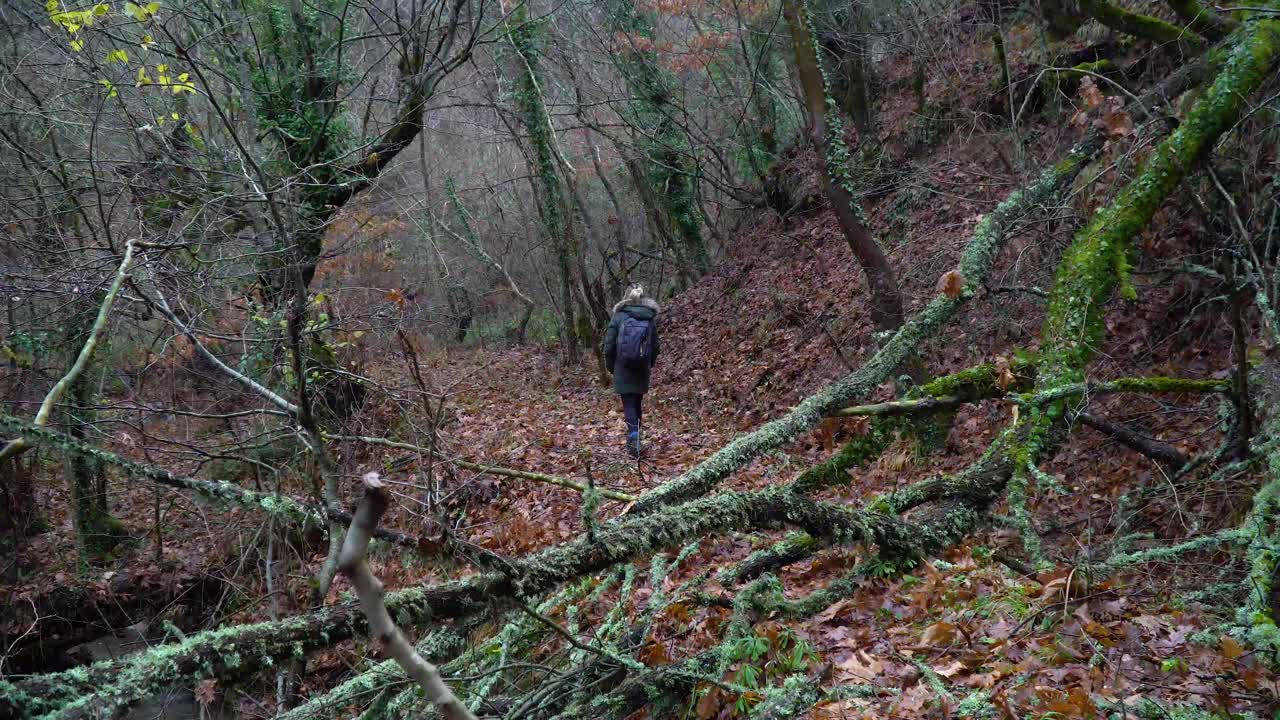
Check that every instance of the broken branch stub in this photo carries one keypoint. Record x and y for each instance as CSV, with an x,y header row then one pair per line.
x,y
352,563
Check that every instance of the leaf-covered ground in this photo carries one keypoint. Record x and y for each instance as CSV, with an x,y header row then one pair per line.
x,y
780,316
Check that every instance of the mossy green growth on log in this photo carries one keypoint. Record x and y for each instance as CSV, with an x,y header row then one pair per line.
x,y
1138,25
1261,530
1201,19
1094,264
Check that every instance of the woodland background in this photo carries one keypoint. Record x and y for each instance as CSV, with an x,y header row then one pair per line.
x,y
964,408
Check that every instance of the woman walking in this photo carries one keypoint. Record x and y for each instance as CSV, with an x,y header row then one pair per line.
x,y
630,350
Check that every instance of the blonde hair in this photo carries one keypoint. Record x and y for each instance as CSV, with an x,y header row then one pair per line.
x,y
633,294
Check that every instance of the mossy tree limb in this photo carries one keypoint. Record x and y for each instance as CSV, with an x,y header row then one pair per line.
x,y
284,507
1098,260
235,652
1138,25
1202,20
975,264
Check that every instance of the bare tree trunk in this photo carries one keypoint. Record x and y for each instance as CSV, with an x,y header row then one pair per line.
x,y
828,140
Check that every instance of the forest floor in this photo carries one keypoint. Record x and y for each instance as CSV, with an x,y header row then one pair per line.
x,y
779,317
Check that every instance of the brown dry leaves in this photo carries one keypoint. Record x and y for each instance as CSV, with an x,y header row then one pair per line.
x,y
1004,374
951,284
1114,119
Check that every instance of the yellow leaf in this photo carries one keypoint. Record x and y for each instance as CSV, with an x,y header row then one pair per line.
x,y
101,9
1230,649
162,68
173,115
77,45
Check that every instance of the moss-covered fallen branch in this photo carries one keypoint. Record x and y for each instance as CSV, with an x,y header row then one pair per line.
x,y
917,406
1202,20
285,508
792,548
975,264
1098,260
1138,385
438,647
488,469
239,651
1138,25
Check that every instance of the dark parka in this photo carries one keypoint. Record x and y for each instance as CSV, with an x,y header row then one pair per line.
x,y
628,380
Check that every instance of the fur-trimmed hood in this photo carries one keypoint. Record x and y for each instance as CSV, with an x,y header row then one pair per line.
x,y
644,301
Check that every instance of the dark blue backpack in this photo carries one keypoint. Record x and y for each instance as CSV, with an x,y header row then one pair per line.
x,y
635,343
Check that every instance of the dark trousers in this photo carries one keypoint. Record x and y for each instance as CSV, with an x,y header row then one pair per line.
x,y
633,411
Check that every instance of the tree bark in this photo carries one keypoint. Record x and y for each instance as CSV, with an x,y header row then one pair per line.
x,y
352,563
828,140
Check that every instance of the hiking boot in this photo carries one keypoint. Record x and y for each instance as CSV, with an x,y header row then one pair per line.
x,y
633,444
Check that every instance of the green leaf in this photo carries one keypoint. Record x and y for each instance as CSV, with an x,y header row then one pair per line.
x,y
139,13
118,55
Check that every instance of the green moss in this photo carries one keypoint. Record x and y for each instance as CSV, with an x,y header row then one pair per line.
x,y
794,546
857,453
1020,515
980,382
1088,274
1143,26
977,706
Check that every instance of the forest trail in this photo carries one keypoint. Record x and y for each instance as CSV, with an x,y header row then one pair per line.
x,y
1033,560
